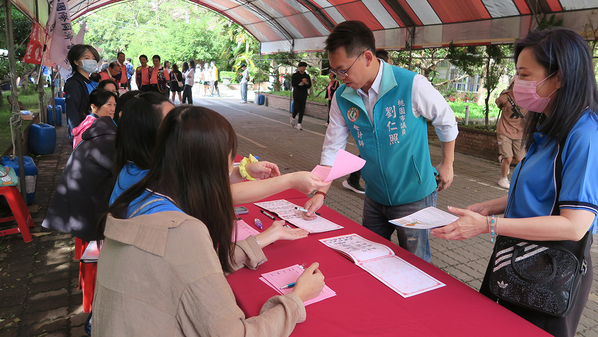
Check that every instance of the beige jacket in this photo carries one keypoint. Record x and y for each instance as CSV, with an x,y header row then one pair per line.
x,y
158,275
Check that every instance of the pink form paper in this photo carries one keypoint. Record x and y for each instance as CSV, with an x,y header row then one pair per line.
x,y
280,278
344,163
244,230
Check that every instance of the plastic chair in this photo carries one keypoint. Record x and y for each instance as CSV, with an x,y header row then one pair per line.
x,y
19,211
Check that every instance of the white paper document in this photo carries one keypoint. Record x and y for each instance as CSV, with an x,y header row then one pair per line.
x,y
286,211
381,262
427,218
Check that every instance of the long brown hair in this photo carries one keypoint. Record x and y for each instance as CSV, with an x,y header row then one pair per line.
x,y
190,165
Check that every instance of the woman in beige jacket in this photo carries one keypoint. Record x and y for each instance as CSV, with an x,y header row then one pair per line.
x,y
167,247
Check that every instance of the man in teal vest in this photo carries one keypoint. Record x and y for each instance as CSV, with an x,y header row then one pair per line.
x,y
385,109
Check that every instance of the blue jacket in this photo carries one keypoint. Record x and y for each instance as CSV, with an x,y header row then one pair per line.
x,y
398,169
128,176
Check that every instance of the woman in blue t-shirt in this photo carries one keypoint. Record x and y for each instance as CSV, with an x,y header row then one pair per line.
x,y
555,79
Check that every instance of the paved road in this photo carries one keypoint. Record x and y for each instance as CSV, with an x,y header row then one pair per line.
x,y
38,293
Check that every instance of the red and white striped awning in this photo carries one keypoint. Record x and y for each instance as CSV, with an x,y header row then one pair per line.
x,y
302,25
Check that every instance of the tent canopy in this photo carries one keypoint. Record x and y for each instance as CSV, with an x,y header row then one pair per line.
x,y
302,25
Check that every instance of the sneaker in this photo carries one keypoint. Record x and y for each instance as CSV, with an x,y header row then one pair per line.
x,y
293,122
503,182
243,102
355,188
299,126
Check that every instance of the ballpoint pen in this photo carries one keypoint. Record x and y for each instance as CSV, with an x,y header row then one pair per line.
x,y
258,223
304,210
291,285
267,214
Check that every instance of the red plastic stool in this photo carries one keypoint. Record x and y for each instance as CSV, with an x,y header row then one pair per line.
x,y
19,211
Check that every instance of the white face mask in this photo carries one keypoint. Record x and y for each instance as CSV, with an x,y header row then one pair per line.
x,y
89,66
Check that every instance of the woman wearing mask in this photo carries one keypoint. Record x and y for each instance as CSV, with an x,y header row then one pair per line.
x,y
176,78
184,262
83,60
189,74
101,103
553,197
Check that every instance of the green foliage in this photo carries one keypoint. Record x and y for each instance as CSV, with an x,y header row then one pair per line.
x,y
544,23
21,30
475,111
423,61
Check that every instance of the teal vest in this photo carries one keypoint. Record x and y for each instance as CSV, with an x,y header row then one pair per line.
x,y
398,169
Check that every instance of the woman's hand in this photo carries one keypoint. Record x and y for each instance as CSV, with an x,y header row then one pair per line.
x,y
307,182
280,232
312,205
478,208
310,284
468,225
262,170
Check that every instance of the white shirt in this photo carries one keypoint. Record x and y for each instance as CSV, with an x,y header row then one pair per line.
x,y
426,101
245,76
189,75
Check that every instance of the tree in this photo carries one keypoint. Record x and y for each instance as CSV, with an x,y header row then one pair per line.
x,y
423,61
21,31
491,62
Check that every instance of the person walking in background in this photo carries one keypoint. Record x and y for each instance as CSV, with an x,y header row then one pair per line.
x,y
244,80
84,60
301,82
158,77
330,89
509,133
176,82
142,74
130,72
207,79
189,75
214,76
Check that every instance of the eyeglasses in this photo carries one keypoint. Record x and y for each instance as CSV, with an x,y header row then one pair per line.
x,y
345,73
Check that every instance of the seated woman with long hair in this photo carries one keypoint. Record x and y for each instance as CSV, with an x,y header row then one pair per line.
x,y
169,242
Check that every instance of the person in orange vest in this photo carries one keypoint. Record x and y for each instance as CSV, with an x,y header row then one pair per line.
x,y
142,74
123,84
158,76
112,73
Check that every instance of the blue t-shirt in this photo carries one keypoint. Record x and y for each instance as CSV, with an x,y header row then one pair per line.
x,y
533,185
148,202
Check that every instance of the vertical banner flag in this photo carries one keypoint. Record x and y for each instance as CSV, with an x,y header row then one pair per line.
x,y
34,47
60,31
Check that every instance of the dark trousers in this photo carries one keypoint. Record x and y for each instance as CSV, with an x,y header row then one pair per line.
x,y
144,88
299,108
187,94
154,88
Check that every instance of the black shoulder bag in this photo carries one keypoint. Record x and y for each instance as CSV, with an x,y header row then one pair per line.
x,y
540,275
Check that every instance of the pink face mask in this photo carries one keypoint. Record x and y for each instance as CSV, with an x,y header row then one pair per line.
x,y
527,97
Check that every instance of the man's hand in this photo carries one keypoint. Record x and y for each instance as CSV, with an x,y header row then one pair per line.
x,y
445,176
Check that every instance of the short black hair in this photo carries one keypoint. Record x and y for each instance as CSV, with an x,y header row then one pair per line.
x,y
140,56
354,36
156,57
119,53
382,54
77,51
99,97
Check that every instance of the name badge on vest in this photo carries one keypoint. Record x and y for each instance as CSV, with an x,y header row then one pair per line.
x,y
353,114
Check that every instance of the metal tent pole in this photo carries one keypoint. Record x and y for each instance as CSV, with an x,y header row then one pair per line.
x,y
16,113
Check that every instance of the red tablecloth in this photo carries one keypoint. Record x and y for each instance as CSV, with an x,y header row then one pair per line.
x,y
363,305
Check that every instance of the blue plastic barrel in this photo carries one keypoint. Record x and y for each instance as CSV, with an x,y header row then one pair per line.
x,y
42,138
57,115
60,101
260,99
30,175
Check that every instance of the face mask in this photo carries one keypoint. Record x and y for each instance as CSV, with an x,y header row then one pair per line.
x,y
89,66
527,97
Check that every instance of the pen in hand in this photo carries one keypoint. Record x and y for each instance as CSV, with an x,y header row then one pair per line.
x,y
291,285
304,210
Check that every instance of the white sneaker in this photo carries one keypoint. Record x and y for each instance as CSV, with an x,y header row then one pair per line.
x,y
293,122
504,183
299,127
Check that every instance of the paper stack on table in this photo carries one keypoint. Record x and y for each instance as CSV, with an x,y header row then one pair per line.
x,y
381,262
286,211
282,277
344,163
427,218
243,230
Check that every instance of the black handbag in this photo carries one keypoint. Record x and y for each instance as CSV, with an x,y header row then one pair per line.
x,y
540,275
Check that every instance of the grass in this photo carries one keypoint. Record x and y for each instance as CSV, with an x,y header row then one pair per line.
x,y
29,100
475,111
